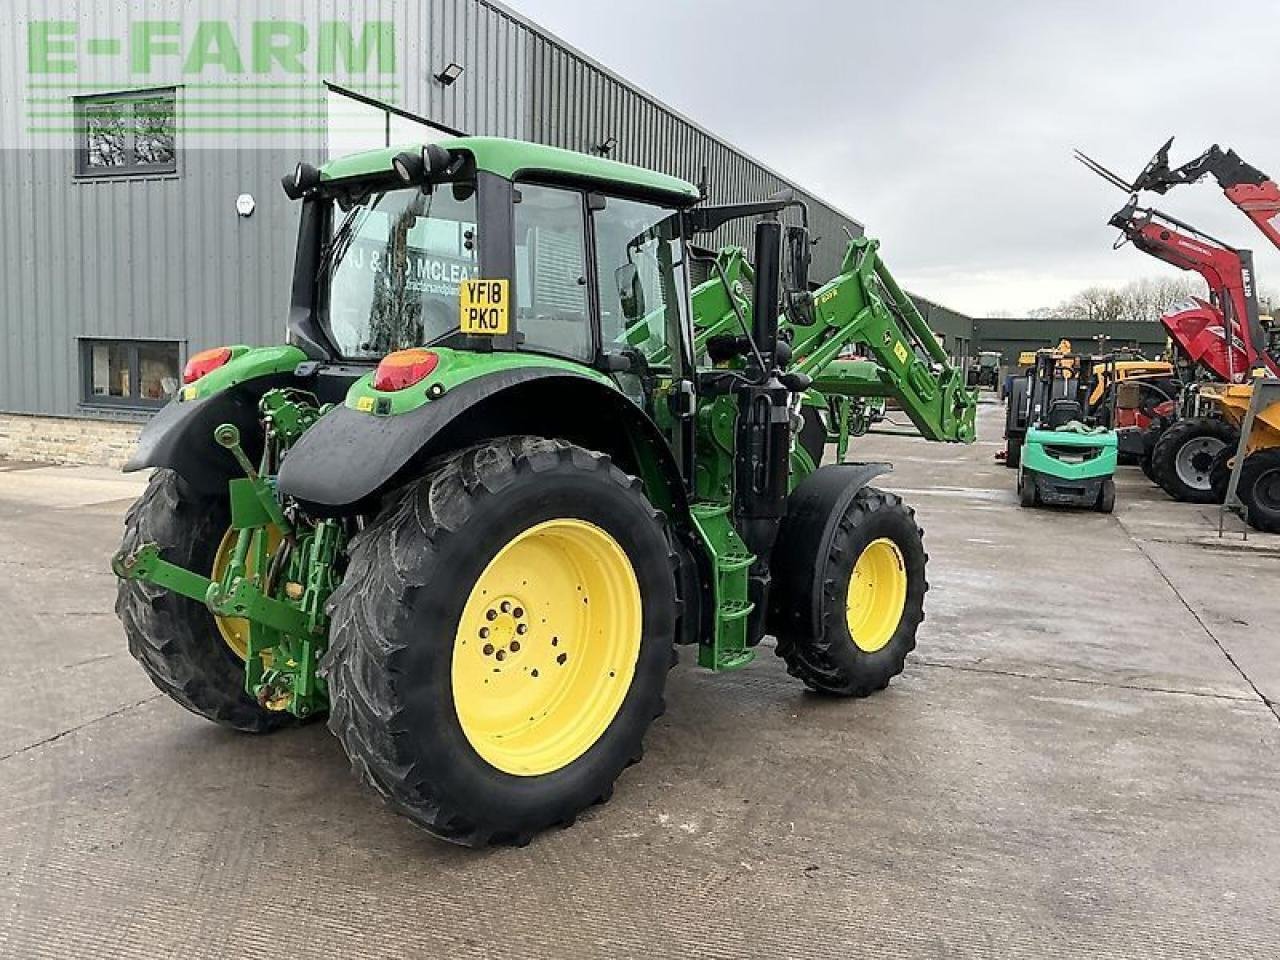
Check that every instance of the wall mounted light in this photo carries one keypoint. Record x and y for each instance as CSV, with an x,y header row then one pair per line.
x,y
606,147
449,74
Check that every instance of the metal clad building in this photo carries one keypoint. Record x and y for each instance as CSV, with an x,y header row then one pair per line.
x,y
113,271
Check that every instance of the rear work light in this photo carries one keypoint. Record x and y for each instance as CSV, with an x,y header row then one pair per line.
x,y
204,362
404,368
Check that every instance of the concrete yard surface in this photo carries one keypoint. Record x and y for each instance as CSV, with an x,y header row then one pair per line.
x,y
1082,759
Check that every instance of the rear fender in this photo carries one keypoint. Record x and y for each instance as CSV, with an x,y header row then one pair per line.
x,y
351,457
180,436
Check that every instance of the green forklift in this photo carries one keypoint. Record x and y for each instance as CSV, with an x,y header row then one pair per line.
x,y
1069,451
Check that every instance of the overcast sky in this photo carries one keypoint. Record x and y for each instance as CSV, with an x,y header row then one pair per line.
x,y
947,127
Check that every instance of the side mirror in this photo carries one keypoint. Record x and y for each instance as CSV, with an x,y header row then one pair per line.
x,y
796,299
630,291
799,256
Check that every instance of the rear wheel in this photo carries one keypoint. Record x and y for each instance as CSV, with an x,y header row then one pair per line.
x,y
1027,494
195,658
1260,489
871,603
1183,456
1106,496
501,640
1013,452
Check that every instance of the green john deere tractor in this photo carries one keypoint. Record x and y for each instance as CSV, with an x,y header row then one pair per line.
x,y
526,437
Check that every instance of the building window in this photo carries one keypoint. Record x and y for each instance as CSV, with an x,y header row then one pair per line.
x,y
128,373
127,134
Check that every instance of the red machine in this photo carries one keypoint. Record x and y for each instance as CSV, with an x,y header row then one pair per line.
x,y
1199,328
1220,339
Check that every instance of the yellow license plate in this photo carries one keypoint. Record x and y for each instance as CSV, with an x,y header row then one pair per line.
x,y
485,306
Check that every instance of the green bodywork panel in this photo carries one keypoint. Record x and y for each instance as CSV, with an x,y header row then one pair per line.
x,y
455,368
514,158
246,363
1067,460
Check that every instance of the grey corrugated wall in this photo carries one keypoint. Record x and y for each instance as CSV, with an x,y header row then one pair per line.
x,y
168,257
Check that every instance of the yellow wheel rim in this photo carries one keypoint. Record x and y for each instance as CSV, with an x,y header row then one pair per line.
x,y
546,647
235,630
877,595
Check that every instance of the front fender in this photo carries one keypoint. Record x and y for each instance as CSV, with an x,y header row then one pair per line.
x,y
814,510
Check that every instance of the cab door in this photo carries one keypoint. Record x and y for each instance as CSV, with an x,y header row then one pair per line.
x,y
642,288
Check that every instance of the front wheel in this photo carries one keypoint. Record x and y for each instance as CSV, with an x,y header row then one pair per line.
x,y
871,603
501,640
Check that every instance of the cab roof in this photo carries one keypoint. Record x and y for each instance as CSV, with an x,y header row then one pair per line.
x,y
514,158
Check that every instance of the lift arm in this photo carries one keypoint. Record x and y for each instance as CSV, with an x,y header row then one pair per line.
x,y
1248,188
862,306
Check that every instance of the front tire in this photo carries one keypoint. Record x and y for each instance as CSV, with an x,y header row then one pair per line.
x,y
176,639
1182,458
467,684
871,603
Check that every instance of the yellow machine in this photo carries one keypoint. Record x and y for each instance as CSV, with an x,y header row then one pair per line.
x,y
1258,452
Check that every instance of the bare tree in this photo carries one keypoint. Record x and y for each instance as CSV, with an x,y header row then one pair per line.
x,y
1141,301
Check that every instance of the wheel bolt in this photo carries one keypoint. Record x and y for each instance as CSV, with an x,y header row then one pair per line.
x,y
515,646
522,629
491,614
488,649
506,607
518,612
501,655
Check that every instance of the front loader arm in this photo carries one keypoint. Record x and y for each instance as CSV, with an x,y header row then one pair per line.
x,y
864,306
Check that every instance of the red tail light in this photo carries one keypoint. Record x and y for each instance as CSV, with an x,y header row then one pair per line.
x,y
404,368
204,362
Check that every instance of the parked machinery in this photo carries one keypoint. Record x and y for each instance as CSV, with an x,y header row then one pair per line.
x,y
501,468
1216,341
1068,450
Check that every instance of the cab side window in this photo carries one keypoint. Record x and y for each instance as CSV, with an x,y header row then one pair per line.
x,y
640,272
551,271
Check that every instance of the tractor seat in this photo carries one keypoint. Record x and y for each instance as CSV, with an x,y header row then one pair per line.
x,y
1062,412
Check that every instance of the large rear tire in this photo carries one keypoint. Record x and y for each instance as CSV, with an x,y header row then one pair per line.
x,y
501,640
1260,489
871,603
1182,458
176,639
